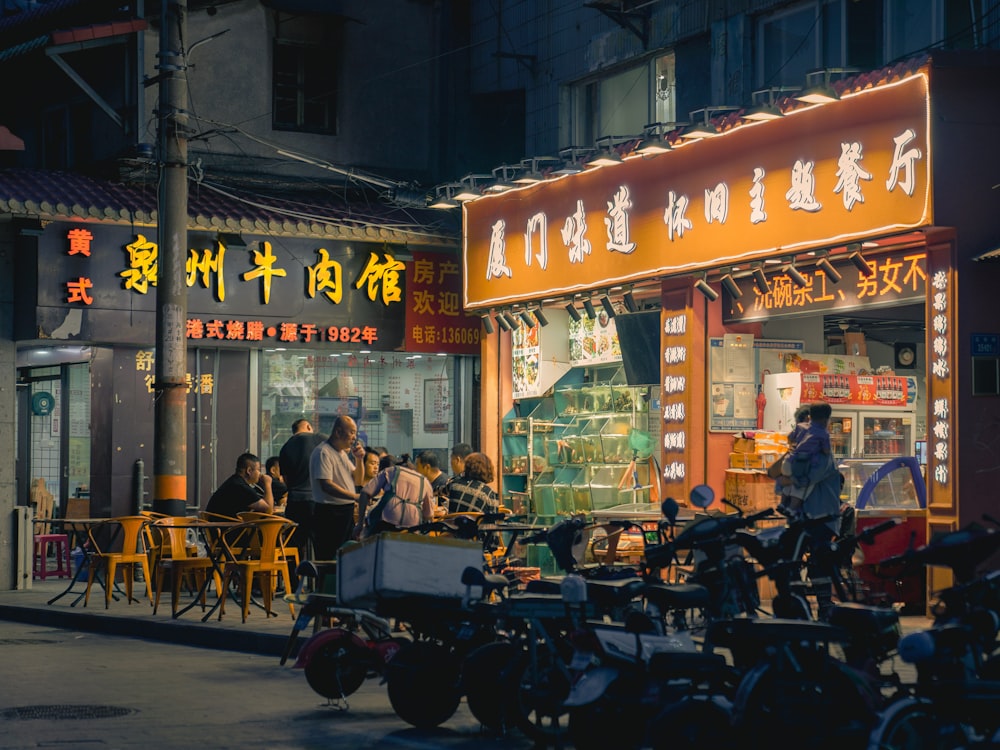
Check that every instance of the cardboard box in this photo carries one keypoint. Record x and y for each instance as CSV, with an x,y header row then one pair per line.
x,y
750,490
393,565
752,460
744,445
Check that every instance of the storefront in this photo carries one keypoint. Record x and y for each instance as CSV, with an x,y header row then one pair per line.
x,y
278,328
752,244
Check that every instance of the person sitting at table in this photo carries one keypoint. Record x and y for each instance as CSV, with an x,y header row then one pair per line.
x,y
249,489
405,500
279,490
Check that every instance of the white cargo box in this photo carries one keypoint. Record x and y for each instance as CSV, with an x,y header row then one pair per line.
x,y
394,565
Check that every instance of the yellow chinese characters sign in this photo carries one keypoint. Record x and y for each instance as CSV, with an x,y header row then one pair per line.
x,y
818,177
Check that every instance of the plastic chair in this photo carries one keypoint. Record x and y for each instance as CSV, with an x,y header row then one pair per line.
x,y
133,552
262,558
174,558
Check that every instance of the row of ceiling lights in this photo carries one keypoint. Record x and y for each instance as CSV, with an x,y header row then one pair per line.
x,y
728,281
656,138
511,319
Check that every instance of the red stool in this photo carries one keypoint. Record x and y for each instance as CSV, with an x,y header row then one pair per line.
x,y
63,568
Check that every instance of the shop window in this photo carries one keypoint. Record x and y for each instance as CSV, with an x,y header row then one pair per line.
x,y
306,72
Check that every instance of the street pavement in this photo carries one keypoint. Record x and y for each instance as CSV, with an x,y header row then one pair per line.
x,y
90,677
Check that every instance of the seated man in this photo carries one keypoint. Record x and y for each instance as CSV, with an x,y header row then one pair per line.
x,y
249,489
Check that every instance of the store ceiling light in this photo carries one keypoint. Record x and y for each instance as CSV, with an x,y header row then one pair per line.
x,y
526,316
540,317
608,307
589,307
730,285
828,270
859,260
796,276
702,286
488,324
512,321
573,312
760,280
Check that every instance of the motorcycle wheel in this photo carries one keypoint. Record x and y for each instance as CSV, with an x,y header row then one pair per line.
x,y
423,680
488,683
910,725
539,692
338,668
605,724
691,725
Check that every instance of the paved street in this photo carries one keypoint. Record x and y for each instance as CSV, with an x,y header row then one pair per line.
x,y
147,694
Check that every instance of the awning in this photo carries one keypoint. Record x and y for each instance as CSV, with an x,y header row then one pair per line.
x,y
993,254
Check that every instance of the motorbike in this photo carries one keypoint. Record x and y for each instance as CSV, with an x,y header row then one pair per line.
x,y
953,702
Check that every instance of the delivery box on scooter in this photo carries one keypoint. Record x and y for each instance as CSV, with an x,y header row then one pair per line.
x,y
394,565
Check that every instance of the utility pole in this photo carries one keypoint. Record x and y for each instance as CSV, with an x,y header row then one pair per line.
x,y
170,388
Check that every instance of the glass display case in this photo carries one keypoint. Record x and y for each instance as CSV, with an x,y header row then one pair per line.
x,y
898,485
884,433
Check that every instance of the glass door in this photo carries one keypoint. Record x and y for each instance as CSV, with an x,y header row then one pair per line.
x,y
841,428
887,435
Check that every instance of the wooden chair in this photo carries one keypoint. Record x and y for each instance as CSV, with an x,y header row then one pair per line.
x,y
175,558
262,559
133,552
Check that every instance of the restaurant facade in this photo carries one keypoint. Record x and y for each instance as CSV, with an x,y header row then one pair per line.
x,y
307,320
878,202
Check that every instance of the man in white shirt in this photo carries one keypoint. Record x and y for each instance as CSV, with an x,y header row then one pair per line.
x,y
335,467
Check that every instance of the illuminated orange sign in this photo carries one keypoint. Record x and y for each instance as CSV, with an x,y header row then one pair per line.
x,y
820,176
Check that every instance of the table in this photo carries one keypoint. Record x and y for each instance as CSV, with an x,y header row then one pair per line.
x,y
79,526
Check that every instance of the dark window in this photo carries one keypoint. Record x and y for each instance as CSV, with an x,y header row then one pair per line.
x,y
305,87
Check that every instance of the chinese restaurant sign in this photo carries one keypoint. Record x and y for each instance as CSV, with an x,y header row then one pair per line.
x,y
820,176
435,320
98,283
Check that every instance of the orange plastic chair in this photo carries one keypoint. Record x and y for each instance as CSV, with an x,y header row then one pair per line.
x,y
288,552
261,559
175,559
133,552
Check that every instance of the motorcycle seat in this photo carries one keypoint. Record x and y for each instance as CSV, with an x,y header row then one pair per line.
x,y
691,665
668,596
602,594
864,620
776,632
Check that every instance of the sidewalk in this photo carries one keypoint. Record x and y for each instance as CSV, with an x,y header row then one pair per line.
x,y
260,634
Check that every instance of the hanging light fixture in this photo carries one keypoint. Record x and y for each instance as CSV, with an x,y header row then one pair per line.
x,y
796,276
512,321
859,260
573,312
818,87
730,285
589,307
502,322
527,318
540,317
652,141
607,156
630,303
488,324
702,286
608,307
703,126
828,270
760,280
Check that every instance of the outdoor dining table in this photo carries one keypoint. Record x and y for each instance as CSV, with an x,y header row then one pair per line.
x,y
78,527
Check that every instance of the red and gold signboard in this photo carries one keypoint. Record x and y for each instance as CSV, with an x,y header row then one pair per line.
x,y
435,321
818,177
859,390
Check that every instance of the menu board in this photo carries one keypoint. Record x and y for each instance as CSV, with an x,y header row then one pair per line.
x,y
594,341
525,353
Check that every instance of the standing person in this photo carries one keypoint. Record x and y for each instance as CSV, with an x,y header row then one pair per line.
x,y
814,470
471,492
294,460
429,465
406,500
246,490
791,495
458,456
335,468
279,490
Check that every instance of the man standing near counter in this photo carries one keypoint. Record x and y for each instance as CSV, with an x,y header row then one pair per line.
x,y
335,468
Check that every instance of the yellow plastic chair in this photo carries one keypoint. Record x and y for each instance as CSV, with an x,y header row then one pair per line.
x,y
287,551
133,552
176,560
262,559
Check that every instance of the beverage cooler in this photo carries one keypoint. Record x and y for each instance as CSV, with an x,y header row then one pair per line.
x,y
858,432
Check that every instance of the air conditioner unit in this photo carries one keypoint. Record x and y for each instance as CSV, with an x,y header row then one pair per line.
x,y
24,515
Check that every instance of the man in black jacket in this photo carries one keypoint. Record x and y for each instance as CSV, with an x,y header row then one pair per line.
x,y
294,462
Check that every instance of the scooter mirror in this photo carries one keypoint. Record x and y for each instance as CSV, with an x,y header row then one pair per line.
x,y
702,496
669,508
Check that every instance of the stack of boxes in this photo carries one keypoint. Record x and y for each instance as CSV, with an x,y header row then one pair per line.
x,y
747,484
